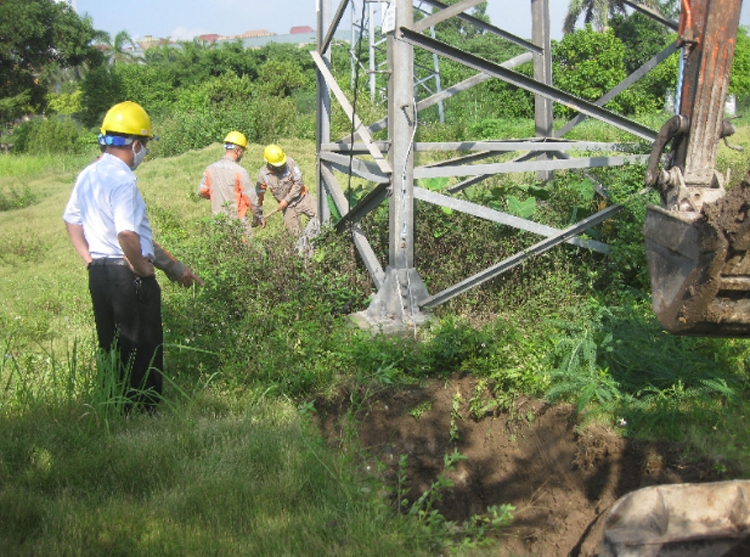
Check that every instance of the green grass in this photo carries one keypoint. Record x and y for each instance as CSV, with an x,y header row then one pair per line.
x,y
220,471
231,466
253,482
18,166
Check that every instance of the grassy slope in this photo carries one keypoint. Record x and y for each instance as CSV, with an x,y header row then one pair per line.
x,y
214,477
43,283
42,290
45,472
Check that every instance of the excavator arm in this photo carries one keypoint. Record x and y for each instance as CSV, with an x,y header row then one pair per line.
x,y
697,241
697,244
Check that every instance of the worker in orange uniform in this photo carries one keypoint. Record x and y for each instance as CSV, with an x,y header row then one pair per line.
x,y
228,185
282,176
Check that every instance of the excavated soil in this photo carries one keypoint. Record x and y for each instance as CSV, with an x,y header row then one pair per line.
x,y
561,480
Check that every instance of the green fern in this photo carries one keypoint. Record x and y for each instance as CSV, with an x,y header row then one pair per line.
x,y
578,376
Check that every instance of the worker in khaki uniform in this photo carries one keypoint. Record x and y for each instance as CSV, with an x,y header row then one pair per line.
x,y
228,185
283,178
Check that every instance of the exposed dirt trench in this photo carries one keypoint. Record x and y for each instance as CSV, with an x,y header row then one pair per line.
x,y
561,481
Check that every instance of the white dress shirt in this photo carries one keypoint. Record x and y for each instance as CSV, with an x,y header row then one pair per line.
x,y
106,201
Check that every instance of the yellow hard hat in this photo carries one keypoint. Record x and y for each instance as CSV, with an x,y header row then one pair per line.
x,y
236,138
274,156
127,118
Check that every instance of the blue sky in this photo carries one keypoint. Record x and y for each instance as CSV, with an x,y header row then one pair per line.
x,y
185,19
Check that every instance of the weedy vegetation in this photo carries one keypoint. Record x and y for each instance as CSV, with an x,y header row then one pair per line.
x,y
233,463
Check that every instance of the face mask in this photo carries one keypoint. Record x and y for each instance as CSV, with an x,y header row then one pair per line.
x,y
139,156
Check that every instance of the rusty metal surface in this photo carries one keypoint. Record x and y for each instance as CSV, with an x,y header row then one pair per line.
x,y
706,79
700,268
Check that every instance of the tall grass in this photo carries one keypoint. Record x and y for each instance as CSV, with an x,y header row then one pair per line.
x,y
222,469
78,476
229,466
617,366
258,482
34,165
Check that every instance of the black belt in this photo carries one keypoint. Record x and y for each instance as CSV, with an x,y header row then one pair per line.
x,y
108,261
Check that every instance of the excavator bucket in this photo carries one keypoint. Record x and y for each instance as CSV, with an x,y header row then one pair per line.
x,y
697,241
680,520
699,266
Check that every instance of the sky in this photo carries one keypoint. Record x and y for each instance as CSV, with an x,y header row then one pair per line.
x,y
185,19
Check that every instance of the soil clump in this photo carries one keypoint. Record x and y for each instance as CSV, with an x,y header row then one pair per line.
x,y
561,479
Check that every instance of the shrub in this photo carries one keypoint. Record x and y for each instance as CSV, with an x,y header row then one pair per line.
x,y
65,104
588,64
501,128
198,128
11,198
54,135
204,113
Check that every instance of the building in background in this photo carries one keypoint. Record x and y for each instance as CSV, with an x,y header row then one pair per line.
x,y
257,38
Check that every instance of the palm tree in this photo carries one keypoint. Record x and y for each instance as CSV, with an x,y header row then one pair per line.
x,y
597,12
120,50
161,53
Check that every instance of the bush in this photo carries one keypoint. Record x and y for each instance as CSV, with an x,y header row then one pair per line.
x,y
11,198
266,315
587,64
54,135
198,128
501,128
65,104
204,113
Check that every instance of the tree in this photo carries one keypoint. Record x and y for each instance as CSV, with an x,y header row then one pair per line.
x,y
101,89
598,12
281,78
120,50
160,54
455,28
644,38
38,36
669,8
739,79
588,63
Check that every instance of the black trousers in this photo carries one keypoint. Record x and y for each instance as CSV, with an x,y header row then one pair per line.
x,y
133,319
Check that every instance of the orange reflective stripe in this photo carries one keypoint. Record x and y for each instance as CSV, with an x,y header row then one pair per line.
x,y
243,202
206,191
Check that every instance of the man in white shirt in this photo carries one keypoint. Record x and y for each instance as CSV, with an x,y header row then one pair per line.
x,y
108,226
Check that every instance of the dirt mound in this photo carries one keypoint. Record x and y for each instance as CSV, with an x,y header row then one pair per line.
x,y
561,481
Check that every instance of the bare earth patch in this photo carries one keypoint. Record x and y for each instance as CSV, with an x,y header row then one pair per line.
x,y
561,481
